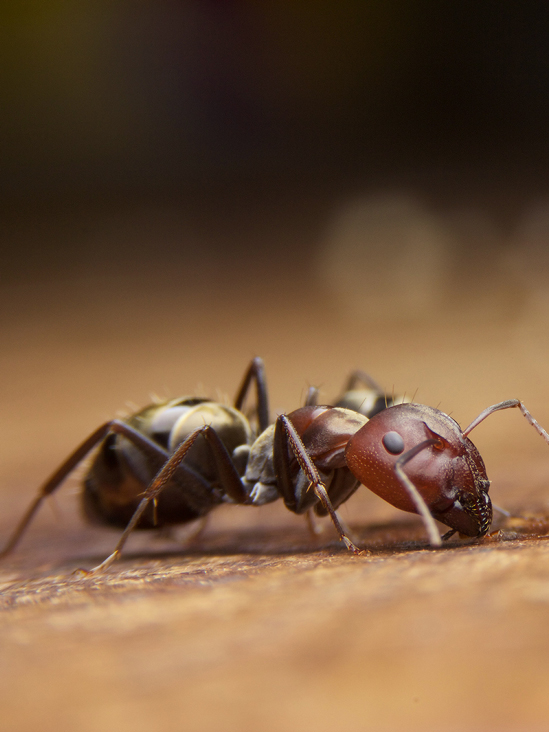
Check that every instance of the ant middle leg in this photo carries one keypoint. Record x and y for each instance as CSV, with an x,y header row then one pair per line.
x,y
150,448
287,438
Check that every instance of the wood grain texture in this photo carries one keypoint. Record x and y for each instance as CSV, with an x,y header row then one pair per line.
x,y
254,630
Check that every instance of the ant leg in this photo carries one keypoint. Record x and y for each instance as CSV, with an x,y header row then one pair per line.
x,y
192,532
509,404
227,473
55,480
348,531
315,529
311,399
197,531
359,376
287,437
255,371
421,506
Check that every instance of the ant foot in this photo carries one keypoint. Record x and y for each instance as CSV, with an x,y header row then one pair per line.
x,y
85,573
351,547
492,536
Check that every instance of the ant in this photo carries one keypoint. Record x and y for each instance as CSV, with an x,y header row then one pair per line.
x,y
174,462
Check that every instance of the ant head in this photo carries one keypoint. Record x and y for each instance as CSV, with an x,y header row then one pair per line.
x,y
448,472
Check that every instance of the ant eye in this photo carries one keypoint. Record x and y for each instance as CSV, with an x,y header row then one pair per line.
x,y
393,443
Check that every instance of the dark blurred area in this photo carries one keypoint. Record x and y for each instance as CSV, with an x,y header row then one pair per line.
x,y
224,109
166,99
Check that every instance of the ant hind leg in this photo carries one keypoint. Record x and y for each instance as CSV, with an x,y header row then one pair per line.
x,y
76,457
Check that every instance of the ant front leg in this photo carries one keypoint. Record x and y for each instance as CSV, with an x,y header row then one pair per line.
x,y
227,474
153,451
421,506
287,438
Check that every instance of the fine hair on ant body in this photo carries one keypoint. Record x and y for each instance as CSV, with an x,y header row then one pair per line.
x,y
174,462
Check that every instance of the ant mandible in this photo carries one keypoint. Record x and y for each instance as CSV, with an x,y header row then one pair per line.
x,y
313,458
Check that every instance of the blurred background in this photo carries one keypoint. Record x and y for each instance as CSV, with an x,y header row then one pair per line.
x,y
186,184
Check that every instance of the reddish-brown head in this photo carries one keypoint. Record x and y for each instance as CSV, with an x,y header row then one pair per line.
x,y
449,474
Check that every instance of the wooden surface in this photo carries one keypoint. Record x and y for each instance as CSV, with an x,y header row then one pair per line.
x,y
254,632
256,626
